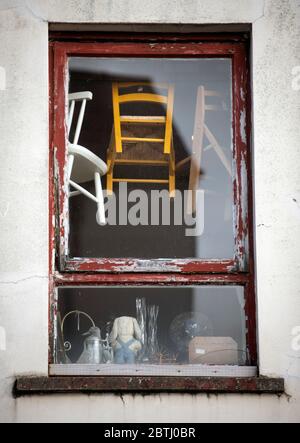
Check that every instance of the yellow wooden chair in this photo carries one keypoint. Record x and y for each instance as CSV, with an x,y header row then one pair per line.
x,y
131,143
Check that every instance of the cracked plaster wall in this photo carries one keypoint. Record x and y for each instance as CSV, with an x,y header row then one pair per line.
x,y
24,208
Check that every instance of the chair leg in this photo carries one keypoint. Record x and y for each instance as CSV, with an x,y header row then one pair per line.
x,y
110,163
109,175
70,168
70,165
198,138
100,216
172,167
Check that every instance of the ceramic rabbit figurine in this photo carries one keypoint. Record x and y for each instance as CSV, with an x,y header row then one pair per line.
x,y
126,340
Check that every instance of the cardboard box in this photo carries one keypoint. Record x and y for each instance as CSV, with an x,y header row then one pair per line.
x,y
213,351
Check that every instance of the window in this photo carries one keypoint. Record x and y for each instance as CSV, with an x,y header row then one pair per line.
x,y
151,207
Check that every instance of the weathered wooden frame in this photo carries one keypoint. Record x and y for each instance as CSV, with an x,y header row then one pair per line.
x,y
66,271
235,51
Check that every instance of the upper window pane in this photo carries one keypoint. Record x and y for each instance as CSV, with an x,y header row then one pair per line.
x,y
160,124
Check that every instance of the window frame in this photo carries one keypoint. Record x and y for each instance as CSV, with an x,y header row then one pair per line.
x,y
88,272
237,52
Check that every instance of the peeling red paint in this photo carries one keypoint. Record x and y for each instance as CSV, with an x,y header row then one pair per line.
x,y
191,49
73,279
151,266
123,271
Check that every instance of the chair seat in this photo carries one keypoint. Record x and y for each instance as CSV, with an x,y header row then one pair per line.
x,y
86,163
142,151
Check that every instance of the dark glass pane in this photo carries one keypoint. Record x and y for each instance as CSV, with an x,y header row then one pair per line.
x,y
203,325
144,228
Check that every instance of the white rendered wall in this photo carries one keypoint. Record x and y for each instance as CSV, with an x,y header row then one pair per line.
x,y
24,205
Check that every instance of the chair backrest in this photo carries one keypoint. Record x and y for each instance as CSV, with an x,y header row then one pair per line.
x,y
140,96
80,98
213,107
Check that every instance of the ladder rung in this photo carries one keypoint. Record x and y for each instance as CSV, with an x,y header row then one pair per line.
x,y
142,119
130,84
214,108
140,180
183,162
141,162
209,93
141,139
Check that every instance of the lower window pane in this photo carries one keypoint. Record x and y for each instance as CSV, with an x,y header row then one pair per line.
x,y
150,330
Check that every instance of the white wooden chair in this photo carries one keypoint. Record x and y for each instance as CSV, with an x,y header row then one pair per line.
x,y
201,131
83,165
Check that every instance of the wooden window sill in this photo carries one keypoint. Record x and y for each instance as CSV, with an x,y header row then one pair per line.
x,y
57,385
